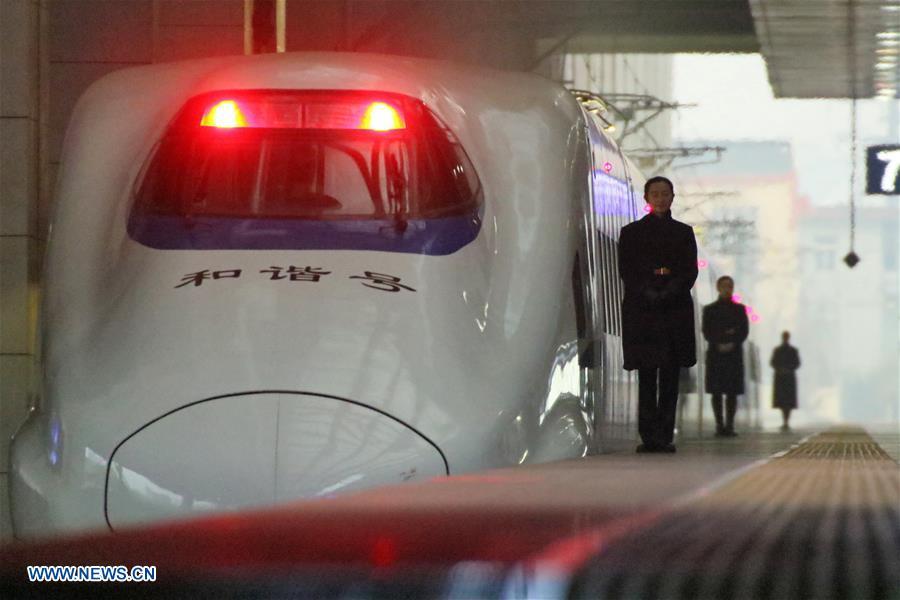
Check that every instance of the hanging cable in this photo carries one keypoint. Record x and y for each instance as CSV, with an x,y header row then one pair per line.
x,y
853,175
852,259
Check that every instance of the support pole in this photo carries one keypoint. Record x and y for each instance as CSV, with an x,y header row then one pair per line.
x,y
264,26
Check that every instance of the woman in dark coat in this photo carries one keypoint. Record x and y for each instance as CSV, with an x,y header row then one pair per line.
x,y
658,264
725,327
785,361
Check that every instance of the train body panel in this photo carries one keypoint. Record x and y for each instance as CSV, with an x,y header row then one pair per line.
x,y
403,364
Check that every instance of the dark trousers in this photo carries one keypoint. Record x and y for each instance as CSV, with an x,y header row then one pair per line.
x,y
786,414
656,412
726,424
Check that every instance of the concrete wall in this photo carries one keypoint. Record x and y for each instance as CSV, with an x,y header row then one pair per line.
x,y
22,58
481,33
50,52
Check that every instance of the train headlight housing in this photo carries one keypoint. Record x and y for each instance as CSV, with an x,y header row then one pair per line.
x,y
260,109
307,169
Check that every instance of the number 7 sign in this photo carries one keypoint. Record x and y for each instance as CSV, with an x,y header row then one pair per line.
x,y
883,170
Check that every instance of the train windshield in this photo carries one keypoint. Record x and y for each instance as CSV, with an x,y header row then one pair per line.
x,y
307,170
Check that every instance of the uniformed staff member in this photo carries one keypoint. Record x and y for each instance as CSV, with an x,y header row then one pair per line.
x,y
658,263
785,361
725,327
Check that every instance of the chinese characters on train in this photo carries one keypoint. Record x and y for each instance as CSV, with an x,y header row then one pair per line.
x,y
370,279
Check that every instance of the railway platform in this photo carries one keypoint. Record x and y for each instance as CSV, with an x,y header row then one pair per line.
x,y
806,514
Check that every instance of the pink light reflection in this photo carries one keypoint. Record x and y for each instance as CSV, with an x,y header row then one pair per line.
x,y
702,264
735,297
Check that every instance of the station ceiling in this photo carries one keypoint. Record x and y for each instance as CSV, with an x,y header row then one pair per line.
x,y
812,48
663,26
830,48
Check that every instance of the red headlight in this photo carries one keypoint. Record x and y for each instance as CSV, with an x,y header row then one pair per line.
x,y
225,114
278,111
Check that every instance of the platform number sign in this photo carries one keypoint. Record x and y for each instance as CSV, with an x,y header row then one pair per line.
x,y
883,170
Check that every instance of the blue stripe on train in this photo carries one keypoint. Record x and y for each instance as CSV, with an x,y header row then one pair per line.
x,y
435,237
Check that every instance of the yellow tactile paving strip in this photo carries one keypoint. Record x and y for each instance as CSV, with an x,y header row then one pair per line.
x,y
819,521
841,444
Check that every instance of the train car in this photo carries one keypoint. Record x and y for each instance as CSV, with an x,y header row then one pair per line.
x,y
291,276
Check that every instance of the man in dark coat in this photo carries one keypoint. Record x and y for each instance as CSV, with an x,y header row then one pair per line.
x,y
785,361
725,327
658,263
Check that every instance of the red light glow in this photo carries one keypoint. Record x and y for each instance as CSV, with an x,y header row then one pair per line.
x,y
224,114
607,166
749,309
284,111
384,552
754,318
702,264
380,116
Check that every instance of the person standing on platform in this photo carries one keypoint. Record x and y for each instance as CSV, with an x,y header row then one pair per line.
x,y
658,264
725,327
785,361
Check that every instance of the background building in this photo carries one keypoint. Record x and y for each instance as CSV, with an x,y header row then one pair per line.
x,y
855,310
743,204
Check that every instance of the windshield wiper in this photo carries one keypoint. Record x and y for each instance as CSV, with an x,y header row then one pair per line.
x,y
396,190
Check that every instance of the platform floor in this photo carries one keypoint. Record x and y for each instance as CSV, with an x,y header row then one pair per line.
x,y
805,514
821,520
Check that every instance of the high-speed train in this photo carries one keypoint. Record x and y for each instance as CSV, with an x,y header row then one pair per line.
x,y
291,276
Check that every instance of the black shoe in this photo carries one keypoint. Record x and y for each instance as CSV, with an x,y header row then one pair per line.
x,y
730,433
646,449
721,433
668,448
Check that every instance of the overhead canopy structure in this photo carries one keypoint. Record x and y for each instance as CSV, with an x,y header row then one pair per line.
x,y
657,26
830,48
812,48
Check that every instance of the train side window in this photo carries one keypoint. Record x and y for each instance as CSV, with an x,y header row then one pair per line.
x,y
611,289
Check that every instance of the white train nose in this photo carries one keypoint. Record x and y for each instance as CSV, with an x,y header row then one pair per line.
x,y
252,450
